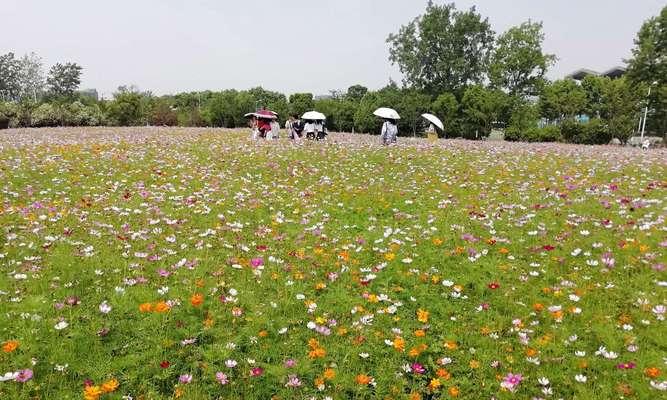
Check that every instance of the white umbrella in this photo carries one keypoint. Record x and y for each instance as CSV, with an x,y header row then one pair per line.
x,y
314,115
388,113
434,120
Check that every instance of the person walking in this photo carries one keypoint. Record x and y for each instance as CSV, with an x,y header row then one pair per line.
x,y
275,129
389,132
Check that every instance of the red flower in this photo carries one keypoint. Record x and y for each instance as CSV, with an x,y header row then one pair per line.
x,y
494,285
165,364
548,247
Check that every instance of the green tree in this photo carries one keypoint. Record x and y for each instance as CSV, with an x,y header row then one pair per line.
x,y
481,108
128,107
443,50
411,106
563,99
299,103
648,67
620,107
356,93
446,107
64,79
519,63
594,86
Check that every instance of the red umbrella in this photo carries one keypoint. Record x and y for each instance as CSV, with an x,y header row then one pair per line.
x,y
267,114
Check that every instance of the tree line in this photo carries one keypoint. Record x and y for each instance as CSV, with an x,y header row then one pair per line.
x,y
453,65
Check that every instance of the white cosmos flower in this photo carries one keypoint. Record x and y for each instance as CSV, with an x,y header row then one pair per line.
x,y
543,381
105,308
61,325
581,378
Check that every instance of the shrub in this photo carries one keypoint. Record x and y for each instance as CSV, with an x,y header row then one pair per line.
x,y
78,114
594,131
550,133
46,115
163,115
8,112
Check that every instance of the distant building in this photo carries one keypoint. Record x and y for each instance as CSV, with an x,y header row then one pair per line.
x,y
92,93
612,73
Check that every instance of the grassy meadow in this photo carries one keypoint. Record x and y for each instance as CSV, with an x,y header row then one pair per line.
x,y
146,263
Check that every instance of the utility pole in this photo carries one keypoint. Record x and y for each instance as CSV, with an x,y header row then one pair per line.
x,y
648,100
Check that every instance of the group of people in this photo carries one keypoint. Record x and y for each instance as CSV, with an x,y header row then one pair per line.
x,y
264,125
269,128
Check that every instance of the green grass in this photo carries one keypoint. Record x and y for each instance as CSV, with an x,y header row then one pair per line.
x,y
435,225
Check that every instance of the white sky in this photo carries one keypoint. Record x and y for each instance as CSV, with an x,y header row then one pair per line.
x,y
291,46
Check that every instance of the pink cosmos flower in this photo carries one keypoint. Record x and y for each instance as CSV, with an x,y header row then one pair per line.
x,y
511,381
417,368
257,262
24,375
185,379
222,378
257,371
293,381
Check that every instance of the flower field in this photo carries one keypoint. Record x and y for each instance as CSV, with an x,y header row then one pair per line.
x,y
153,263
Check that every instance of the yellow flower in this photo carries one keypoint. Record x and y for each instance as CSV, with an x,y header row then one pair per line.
x,y
422,316
434,384
389,256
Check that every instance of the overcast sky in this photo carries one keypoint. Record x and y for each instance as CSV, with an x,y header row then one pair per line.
x,y
291,46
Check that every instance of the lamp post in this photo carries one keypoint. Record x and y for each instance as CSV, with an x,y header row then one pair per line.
x,y
648,99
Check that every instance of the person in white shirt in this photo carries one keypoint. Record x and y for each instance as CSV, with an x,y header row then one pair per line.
x,y
389,132
309,128
275,129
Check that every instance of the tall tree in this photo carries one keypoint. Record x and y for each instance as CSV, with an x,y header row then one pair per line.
x,y
31,76
519,63
443,50
648,67
64,79
356,92
481,107
563,99
10,83
299,103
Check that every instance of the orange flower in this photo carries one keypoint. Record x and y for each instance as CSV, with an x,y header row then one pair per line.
x,y
197,299
329,374
92,392
538,307
145,307
454,391
263,333
530,352
474,364
10,346
399,344
415,396
443,373
503,250
437,241
318,352
110,386
451,345
162,307
652,372
363,379
422,316
420,333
